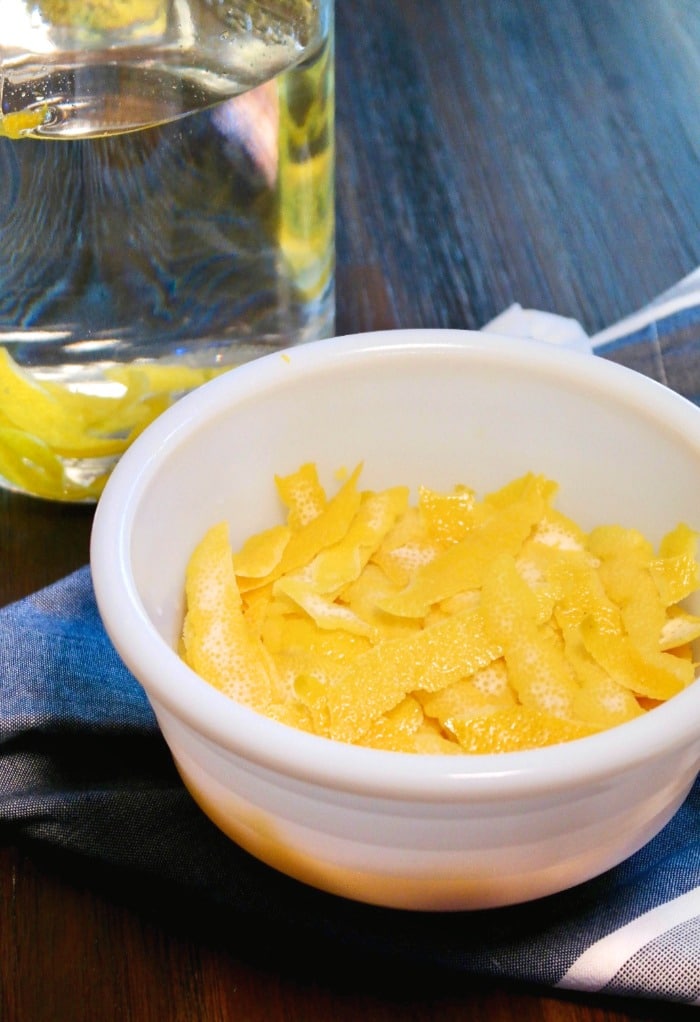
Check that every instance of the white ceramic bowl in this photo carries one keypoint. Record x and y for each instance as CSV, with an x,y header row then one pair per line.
x,y
432,407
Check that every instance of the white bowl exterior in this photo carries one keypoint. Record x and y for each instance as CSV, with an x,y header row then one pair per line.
x,y
419,854
417,407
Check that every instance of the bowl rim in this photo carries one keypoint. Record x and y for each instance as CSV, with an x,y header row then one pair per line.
x,y
174,688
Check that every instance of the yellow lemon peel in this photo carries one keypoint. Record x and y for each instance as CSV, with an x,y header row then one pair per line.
x,y
217,641
22,122
46,426
455,625
101,15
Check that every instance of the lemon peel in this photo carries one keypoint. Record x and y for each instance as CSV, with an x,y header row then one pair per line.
x,y
378,680
262,552
396,730
448,517
101,15
464,564
455,625
23,122
302,494
516,729
61,425
217,640
323,530
339,565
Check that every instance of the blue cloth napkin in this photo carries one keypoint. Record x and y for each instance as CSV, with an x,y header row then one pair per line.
x,y
86,776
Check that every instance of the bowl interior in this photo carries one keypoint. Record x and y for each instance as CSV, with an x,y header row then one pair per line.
x,y
453,408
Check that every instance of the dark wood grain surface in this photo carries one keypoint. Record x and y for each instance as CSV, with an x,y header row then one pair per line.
x,y
489,151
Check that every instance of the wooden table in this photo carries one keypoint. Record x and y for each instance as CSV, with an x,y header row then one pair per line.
x,y
489,151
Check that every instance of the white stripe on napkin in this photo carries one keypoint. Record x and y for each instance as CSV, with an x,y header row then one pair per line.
x,y
602,961
568,333
684,295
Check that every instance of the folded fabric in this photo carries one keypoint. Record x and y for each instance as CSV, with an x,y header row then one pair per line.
x,y
84,772
662,340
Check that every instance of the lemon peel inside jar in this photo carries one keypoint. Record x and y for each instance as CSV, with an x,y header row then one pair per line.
x,y
50,431
102,15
